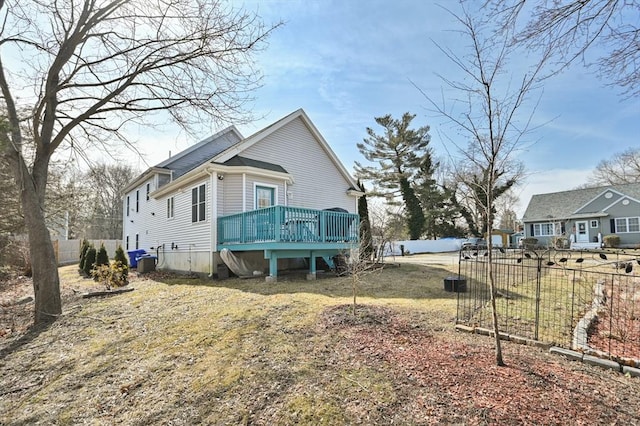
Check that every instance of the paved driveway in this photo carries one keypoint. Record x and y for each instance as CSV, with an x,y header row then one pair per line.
x,y
449,258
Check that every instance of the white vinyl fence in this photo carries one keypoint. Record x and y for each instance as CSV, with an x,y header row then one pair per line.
x,y
68,251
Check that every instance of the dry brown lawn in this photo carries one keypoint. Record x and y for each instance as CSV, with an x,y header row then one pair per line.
x,y
187,351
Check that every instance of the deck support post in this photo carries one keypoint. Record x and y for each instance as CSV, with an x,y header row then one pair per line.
x,y
273,266
312,266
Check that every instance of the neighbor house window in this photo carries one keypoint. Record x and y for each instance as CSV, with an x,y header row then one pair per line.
x,y
198,204
137,242
627,224
128,205
545,229
148,190
594,223
137,201
126,244
170,208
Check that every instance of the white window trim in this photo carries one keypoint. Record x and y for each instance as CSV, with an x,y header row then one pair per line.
x,y
591,223
203,219
555,226
171,205
626,223
264,185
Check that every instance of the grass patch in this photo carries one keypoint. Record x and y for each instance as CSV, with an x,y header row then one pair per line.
x,y
188,351
214,345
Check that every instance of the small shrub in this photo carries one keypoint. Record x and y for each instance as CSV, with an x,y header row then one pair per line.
x,y
612,241
113,275
89,261
560,242
102,258
121,257
83,253
529,243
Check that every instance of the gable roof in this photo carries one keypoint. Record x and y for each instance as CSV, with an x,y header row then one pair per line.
x,y
261,134
222,150
565,204
203,151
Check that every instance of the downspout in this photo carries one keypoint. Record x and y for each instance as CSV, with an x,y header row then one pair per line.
x,y
213,232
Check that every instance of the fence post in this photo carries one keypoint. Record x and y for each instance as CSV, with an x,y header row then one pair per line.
x,y
538,283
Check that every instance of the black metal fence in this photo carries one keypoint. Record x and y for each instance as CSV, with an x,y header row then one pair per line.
x,y
583,300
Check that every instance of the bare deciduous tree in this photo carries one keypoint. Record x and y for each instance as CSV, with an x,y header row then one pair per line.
x,y
489,117
572,29
106,183
84,69
621,168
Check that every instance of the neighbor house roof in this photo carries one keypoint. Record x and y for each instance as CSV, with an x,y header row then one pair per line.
x,y
565,204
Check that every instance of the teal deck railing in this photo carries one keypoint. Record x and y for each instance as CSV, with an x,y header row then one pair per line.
x,y
288,224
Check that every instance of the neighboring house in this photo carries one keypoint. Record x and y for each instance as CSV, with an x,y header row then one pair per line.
x,y
584,216
264,197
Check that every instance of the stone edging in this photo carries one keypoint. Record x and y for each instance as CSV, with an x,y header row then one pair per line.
x,y
570,354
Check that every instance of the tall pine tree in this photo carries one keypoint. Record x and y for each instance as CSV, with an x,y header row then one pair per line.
x,y
366,239
397,153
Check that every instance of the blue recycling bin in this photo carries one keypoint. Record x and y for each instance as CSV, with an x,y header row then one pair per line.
x,y
134,255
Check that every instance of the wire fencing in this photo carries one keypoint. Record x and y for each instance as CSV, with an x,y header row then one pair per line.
x,y
581,300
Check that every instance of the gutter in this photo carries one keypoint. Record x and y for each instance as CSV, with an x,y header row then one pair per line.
x,y
213,234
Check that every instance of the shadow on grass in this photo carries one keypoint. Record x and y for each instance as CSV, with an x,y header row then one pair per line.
x,y
32,334
407,281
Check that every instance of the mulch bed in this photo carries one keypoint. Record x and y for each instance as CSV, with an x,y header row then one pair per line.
x,y
620,334
456,379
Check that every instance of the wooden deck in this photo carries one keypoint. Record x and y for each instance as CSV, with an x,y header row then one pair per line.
x,y
289,232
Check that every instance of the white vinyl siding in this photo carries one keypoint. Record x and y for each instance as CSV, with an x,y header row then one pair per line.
x,y
231,188
318,182
155,229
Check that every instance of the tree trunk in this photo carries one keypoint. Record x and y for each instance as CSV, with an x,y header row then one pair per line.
x,y
46,282
492,282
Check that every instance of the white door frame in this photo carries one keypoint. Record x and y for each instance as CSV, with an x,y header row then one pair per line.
x,y
582,231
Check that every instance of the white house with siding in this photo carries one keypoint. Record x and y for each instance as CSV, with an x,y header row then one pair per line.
x,y
264,197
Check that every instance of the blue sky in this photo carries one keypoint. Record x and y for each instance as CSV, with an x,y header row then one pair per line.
x,y
346,62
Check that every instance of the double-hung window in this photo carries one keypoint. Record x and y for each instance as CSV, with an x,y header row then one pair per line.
x,y
543,229
170,208
627,224
198,204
